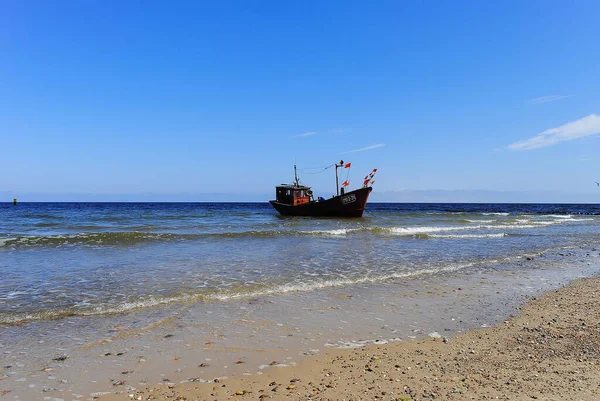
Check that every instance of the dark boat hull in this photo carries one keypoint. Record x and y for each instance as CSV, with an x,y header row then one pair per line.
x,y
351,204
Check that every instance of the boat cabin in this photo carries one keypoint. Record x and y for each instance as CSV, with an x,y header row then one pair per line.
x,y
293,195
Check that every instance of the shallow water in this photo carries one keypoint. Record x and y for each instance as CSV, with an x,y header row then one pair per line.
x,y
85,280
92,259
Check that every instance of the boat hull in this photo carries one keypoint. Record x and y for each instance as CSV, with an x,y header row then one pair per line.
x,y
351,204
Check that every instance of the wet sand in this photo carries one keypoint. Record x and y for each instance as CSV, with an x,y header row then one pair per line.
x,y
549,351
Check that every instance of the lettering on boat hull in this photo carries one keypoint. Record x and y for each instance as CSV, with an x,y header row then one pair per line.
x,y
349,199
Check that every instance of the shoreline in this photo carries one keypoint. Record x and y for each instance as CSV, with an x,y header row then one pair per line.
x,y
239,342
550,350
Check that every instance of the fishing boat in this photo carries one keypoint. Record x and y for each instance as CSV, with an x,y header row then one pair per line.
x,y
298,200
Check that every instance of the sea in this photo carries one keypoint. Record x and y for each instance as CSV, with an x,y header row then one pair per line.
x,y
82,282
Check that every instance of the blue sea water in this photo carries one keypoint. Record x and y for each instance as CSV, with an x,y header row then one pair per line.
x,y
88,259
107,285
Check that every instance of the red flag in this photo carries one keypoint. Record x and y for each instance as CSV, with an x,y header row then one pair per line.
x,y
374,170
365,182
346,183
347,165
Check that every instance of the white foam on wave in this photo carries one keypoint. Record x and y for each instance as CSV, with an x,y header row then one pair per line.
x,y
465,236
13,295
15,240
98,310
86,238
509,226
546,223
529,222
334,232
147,303
425,230
389,230
482,225
416,230
307,287
559,220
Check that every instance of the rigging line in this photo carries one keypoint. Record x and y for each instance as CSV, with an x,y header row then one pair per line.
x,y
313,168
323,167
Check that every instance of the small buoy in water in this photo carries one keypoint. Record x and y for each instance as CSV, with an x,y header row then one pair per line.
x,y
15,201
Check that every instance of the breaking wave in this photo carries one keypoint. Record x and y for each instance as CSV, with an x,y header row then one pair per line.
x,y
128,238
243,291
467,236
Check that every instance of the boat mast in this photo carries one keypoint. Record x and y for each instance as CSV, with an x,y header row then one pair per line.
x,y
295,176
337,186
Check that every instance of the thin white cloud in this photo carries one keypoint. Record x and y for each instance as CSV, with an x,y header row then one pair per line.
x,y
581,128
379,145
305,134
544,99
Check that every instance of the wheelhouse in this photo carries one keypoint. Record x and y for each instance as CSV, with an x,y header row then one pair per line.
x,y
293,195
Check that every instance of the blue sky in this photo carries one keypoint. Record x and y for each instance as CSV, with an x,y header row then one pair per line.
x,y
182,99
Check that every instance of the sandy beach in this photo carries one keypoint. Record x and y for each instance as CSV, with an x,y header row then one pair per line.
x,y
549,350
